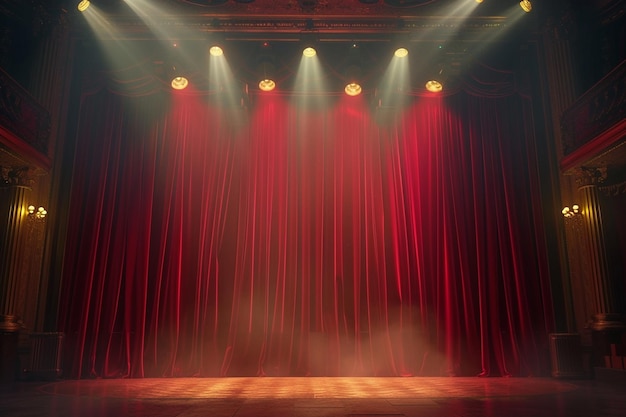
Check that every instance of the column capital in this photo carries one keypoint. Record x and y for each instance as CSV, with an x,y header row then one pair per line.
x,y
586,176
21,176
562,25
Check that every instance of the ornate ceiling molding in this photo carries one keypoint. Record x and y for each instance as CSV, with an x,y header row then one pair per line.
x,y
22,116
351,8
422,20
293,28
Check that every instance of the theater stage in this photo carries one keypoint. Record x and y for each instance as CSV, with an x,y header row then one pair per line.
x,y
314,397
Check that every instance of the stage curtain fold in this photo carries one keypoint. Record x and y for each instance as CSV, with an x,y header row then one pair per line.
x,y
285,239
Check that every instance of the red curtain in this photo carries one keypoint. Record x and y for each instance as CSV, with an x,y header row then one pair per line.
x,y
306,240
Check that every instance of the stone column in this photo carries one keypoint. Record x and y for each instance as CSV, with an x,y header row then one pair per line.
x,y
607,323
13,212
604,297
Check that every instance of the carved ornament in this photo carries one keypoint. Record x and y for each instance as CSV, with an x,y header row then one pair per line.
x,y
586,176
16,176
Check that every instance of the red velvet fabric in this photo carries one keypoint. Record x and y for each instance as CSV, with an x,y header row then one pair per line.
x,y
295,240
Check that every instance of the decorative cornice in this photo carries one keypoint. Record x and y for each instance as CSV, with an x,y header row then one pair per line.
x,y
21,114
353,8
424,28
601,107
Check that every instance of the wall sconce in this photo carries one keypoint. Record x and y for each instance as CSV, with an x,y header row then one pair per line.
x,y
571,212
39,213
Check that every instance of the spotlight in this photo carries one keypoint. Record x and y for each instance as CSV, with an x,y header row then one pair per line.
x,y
434,86
353,89
177,76
266,68
267,84
436,82
526,5
401,52
179,83
479,1
216,51
353,72
83,5
309,43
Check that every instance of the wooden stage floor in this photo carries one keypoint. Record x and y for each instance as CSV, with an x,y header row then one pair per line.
x,y
315,397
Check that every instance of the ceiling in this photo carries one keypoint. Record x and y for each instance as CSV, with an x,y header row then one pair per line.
x,y
426,20
458,24
463,25
453,30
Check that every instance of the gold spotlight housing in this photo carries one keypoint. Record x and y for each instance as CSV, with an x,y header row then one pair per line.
x,y
179,83
434,86
401,52
267,84
216,51
83,5
309,52
353,89
526,5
